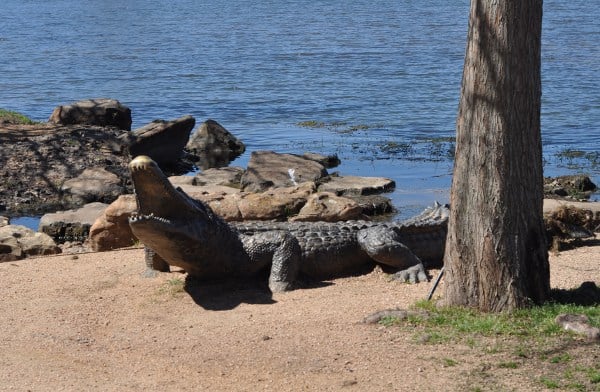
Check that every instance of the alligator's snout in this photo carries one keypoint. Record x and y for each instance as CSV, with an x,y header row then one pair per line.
x,y
141,162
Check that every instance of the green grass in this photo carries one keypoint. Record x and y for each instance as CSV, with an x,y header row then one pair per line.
x,y
173,287
14,117
520,340
534,322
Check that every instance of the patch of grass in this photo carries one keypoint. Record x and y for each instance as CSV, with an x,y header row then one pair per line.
x,y
173,287
523,339
531,323
449,362
13,117
508,365
593,375
562,358
549,382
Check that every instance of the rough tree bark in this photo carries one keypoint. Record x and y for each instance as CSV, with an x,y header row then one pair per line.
x,y
496,257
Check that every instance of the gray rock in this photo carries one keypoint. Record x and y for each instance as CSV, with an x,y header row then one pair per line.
x,y
354,185
102,111
268,169
94,184
214,145
329,161
571,186
373,204
163,141
223,176
17,242
71,225
227,176
578,323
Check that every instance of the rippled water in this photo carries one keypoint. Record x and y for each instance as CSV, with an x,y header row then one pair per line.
x,y
379,81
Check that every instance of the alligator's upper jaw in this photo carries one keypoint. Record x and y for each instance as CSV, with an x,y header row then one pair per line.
x,y
156,197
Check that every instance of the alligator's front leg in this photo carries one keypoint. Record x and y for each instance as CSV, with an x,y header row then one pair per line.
x,y
383,244
154,263
281,250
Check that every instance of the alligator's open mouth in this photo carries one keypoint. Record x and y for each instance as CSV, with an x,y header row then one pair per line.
x,y
157,200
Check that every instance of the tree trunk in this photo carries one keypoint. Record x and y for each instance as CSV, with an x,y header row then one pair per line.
x,y
496,256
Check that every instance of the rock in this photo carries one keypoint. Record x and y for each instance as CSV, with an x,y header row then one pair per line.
x,y
268,169
45,155
111,230
327,206
102,112
214,145
71,225
329,161
227,176
163,141
279,203
373,204
10,250
181,181
4,221
17,242
233,205
578,323
94,184
574,186
223,176
354,185
225,205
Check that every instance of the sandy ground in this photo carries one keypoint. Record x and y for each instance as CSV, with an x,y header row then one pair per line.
x,y
91,322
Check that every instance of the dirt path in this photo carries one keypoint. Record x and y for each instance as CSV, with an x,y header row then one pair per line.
x,y
92,323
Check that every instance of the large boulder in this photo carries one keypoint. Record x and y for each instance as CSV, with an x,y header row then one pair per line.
x,y
102,111
71,225
111,230
268,169
214,145
94,184
17,242
163,141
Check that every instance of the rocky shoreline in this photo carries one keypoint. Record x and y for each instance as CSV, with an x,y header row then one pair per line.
x,y
74,166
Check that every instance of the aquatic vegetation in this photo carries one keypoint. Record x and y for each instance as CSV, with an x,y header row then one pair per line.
x,y
574,158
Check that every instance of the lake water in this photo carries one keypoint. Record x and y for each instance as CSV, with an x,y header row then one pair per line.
x,y
378,82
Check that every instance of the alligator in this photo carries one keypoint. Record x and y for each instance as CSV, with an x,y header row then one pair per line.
x,y
180,231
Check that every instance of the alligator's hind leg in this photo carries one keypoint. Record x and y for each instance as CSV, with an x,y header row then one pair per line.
x,y
383,244
281,250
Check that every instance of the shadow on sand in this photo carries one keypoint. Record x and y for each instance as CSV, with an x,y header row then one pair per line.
x,y
228,294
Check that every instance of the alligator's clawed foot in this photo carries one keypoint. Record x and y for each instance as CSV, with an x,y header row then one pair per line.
x,y
281,287
414,274
149,273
